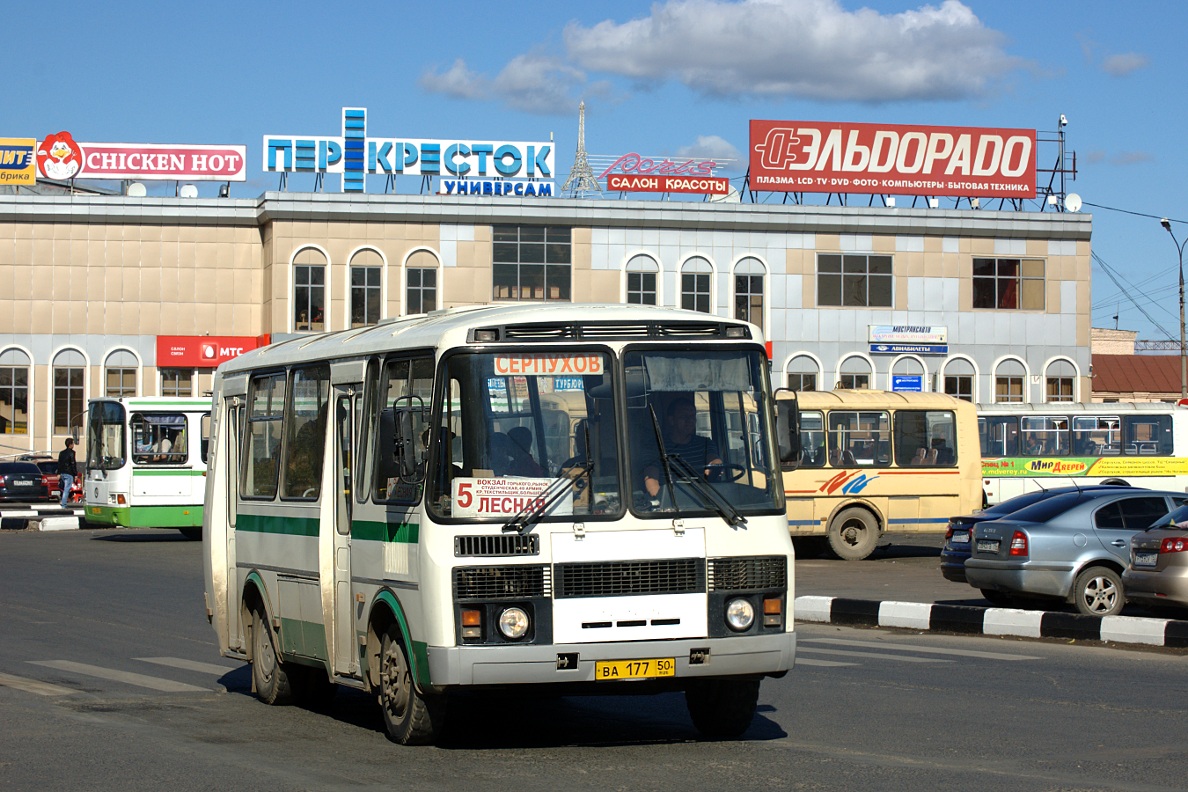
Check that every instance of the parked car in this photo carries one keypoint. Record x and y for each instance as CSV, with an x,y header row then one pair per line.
x,y
22,481
1073,546
958,535
49,468
1158,570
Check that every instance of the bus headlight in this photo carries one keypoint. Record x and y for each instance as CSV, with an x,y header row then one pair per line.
x,y
513,623
740,614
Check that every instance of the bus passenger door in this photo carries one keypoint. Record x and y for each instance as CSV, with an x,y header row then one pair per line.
x,y
345,656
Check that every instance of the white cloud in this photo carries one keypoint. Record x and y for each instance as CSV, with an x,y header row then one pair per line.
x,y
530,83
1124,63
709,147
457,81
812,49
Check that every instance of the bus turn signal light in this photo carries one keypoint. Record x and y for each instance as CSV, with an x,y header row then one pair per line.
x,y
472,624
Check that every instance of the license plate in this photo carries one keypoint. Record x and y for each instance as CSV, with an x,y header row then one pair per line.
x,y
635,669
960,537
987,545
1142,559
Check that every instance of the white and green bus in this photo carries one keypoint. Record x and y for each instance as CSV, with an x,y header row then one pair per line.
x,y
146,462
463,500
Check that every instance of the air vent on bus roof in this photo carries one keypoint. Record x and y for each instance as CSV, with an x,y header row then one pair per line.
x,y
608,331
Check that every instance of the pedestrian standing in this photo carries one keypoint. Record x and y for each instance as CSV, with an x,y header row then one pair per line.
x,y
67,470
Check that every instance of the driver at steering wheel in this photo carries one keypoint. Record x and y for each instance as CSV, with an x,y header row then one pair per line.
x,y
681,439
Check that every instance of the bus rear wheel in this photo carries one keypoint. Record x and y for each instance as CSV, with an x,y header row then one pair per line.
x,y
409,717
853,534
722,709
270,679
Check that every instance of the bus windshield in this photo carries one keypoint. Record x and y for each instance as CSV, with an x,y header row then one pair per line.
x,y
512,424
540,432
699,435
106,439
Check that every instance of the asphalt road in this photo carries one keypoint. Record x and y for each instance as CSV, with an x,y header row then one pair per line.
x,y
109,679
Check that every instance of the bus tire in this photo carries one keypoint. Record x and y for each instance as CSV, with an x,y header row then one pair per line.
x,y
270,679
853,534
722,709
194,533
409,717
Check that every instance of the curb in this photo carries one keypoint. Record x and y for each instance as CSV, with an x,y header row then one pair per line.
x,y
970,619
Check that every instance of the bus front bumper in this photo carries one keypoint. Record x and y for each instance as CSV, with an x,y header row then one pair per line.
x,y
761,655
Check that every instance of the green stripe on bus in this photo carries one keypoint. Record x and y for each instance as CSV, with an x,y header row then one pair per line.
x,y
292,526
303,638
400,533
189,516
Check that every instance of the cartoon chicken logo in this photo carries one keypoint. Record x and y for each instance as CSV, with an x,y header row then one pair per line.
x,y
59,157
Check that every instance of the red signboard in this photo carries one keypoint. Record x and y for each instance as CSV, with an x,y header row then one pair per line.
x,y
203,351
60,157
708,185
892,159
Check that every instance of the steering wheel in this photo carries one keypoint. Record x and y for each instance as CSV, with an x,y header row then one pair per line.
x,y
725,471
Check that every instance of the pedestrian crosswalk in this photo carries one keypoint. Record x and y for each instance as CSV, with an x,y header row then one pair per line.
x,y
136,676
158,673
816,651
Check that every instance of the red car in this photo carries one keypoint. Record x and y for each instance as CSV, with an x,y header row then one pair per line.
x,y
48,465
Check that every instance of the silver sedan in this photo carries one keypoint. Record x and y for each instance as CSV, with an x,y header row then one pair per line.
x,y
1073,547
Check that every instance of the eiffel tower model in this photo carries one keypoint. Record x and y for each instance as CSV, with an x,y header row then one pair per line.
x,y
581,182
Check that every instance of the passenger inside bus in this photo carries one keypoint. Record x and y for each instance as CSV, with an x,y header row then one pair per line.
x,y
508,458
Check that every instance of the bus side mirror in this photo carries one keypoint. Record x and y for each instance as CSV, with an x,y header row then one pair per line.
x,y
400,454
788,432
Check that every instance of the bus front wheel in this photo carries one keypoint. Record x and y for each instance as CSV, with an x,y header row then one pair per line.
x,y
853,534
269,677
409,717
722,709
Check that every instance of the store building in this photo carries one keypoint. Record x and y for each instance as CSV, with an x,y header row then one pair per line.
x,y
119,295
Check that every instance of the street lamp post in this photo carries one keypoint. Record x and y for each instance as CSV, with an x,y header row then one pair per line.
x,y
1183,348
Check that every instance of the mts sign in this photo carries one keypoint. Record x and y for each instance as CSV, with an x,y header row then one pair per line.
x,y
203,352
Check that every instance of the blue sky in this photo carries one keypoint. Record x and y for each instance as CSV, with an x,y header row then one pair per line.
x,y
675,77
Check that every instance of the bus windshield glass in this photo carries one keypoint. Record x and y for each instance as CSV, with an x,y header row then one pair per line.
x,y
512,426
105,436
700,439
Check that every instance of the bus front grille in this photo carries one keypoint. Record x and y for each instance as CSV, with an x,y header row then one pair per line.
x,y
748,573
503,545
501,582
623,578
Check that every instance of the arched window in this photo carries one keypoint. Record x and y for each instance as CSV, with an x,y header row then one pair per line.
x,y
695,284
69,377
803,373
854,372
641,280
1010,379
1060,381
422,282
959,379
367,269
309,290
748,290
119,374
907,374
14,392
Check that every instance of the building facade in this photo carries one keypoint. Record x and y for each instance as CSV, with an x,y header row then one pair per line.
x,y
115,295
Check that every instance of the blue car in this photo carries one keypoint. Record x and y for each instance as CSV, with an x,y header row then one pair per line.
x,y
960,531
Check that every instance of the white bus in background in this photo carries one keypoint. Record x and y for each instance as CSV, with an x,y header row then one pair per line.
x,y
369,522
146,462
1032,446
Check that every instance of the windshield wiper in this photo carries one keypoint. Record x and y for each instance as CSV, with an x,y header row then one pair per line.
x,y
708,495
523,520
664,458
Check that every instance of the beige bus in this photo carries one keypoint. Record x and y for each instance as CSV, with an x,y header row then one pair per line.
x,y
874,461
